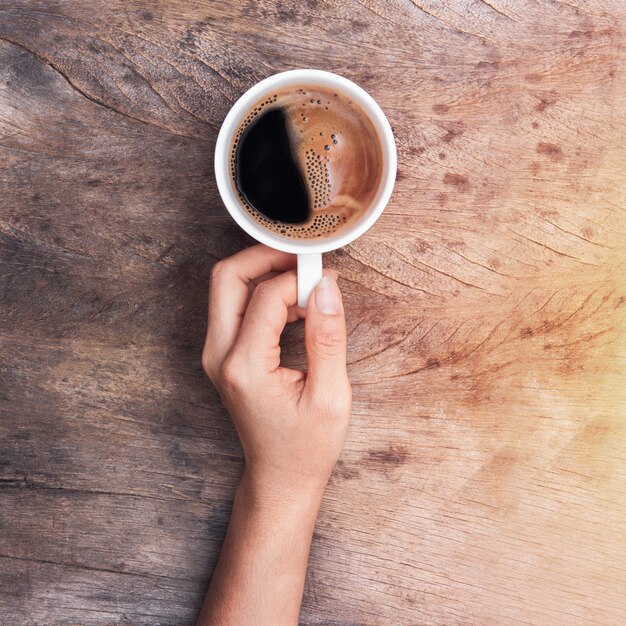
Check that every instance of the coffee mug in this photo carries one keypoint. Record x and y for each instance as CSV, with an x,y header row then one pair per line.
x,y
309,252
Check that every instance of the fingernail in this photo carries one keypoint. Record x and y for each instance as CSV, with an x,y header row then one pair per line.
x,y
327,297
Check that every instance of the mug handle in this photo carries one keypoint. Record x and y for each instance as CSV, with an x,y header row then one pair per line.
x,y
309,274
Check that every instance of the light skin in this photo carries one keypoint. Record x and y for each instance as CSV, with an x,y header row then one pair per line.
x,y
291,424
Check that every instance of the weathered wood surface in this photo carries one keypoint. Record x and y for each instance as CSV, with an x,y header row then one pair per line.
x,y
484,476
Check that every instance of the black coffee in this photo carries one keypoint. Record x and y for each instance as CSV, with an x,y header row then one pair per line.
x,y
306,162
268,174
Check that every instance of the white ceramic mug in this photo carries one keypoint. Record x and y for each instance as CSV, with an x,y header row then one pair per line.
x,y
309,251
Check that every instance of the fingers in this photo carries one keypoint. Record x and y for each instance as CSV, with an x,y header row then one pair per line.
x,y
229,294
325,338
295,312
271,305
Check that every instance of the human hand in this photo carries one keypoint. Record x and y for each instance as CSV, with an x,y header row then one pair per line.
x,y
292,424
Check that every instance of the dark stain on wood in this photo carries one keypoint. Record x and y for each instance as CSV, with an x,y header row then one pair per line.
x,y
552,151
344,471
460,182
451,134
544,103
386,458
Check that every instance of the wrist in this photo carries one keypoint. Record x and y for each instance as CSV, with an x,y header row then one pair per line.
x,y
265,491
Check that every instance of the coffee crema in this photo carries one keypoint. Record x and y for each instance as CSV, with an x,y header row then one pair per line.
x,y
306,162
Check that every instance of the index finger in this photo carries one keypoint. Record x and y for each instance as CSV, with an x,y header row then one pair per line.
x,y
229,293
265,320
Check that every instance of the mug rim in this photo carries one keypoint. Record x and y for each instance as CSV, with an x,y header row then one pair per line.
x,y
229,127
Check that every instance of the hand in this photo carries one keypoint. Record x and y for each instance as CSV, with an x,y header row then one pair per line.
x,y
292,424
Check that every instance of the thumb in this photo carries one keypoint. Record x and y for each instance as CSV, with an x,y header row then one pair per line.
x,y
325,338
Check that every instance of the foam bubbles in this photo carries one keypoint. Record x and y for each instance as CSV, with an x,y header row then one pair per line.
x,y
322,224
315,143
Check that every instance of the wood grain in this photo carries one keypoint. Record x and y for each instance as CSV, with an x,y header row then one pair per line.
x,y
484,476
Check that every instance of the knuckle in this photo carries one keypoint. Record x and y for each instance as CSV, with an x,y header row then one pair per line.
x,y
344,401
263,290
218,270
343,398
206,363
231,372
335,404
329,342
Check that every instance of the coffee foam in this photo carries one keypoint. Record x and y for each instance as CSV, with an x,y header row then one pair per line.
x,y
339,154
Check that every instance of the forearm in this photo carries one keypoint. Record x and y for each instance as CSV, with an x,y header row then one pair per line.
x,y
260,574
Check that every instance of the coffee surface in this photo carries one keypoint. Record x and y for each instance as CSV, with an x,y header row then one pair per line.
x,y
306,162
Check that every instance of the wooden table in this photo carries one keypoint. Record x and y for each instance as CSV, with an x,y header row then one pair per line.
x,y
484,476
